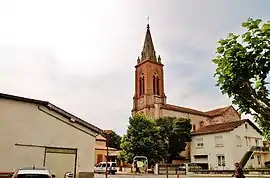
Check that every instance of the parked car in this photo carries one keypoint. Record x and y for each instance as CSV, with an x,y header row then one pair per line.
x,y
182,167
33,173
101,167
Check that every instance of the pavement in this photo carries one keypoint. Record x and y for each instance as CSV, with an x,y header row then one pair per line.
x,y
171,176
138,176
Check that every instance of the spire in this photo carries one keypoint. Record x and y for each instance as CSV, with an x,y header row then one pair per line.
x,y
148,52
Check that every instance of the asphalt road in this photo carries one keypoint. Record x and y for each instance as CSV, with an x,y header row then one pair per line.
x,y
138,176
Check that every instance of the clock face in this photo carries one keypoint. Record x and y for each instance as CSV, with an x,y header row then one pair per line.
x,y
141,101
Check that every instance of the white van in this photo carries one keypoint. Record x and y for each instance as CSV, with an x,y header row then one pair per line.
x,y
101,167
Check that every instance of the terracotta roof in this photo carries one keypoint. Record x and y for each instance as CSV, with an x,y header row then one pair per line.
x,y
53,108
99,147
217,112
211,113
183,109
223,127
100,138
115,153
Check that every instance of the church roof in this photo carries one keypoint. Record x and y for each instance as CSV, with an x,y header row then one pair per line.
x,y
185,110
217,112
211,113
223,127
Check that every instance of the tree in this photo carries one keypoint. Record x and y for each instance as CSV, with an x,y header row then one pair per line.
x,y
243,64
142,139
114,139
175,133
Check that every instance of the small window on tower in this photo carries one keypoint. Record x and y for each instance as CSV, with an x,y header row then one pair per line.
x,y
156,88
141,84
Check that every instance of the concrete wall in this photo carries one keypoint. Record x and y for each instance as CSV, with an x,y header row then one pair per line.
x,y
233,148
238,150
24,123
209,148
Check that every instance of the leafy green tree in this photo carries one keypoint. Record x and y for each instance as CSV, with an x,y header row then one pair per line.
x,y
142,139
243,64
114,139
175,133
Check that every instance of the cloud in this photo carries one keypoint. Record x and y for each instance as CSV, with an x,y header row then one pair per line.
x,y
81,55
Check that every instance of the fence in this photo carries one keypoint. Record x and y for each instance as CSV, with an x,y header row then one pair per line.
x,y
246,171
170,169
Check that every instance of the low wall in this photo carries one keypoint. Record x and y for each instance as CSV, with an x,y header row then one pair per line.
x,y
223,175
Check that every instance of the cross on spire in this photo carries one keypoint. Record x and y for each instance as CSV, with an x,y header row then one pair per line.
x,y
148,19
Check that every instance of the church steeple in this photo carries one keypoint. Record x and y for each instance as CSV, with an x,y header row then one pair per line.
x,y
149,94
148,52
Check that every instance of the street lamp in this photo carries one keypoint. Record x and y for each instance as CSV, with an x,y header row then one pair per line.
x,y
107,132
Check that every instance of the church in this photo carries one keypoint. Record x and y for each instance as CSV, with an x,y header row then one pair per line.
x,y
150,97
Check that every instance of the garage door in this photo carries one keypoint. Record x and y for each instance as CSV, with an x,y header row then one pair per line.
x,y
60,161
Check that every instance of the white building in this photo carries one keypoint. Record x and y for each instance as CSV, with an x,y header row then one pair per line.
x,y
34,132
219,146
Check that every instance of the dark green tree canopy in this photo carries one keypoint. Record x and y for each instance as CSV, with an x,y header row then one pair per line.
x,y
114,139
159,140
176,133
243,64
142,139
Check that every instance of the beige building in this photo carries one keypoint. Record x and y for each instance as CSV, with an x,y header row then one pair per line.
x,y
219,146
38,133
150,98
101,151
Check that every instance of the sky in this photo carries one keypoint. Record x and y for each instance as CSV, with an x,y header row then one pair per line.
x,y
80,55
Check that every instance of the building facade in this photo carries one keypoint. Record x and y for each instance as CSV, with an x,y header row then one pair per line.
x,y
219,146
150,97
38,133
101,151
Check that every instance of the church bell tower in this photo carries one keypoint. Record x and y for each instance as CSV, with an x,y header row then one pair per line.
x,y
149,81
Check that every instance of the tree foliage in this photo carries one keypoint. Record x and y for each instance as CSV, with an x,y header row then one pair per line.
x,y
114,139
243,64
176,133
142,139
158,140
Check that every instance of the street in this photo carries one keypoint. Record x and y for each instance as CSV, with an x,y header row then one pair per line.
x,y
138,176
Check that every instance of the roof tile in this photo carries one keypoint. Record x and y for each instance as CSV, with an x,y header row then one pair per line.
x,y
216,128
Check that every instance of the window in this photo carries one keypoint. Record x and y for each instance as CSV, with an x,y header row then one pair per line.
x,y
259,160
200,156
194,127
156,89
246,126
257,142
219,141
141,84
246,141
32,175
199,143
238,141
201,124
221,160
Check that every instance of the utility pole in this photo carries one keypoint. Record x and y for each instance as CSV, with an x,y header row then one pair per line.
x,y
107,156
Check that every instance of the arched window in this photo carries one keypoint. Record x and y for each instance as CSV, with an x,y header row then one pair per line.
x,y
156,89
141,84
